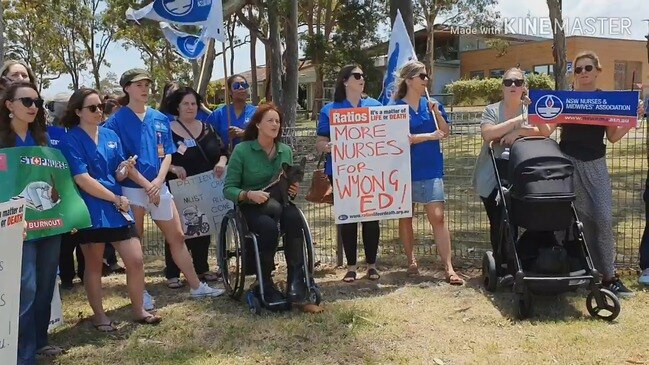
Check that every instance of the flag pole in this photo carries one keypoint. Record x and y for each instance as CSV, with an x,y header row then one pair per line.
x,y
434,117
225,92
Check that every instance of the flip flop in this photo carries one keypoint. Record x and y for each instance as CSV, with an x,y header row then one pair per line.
x,y
454,279
175,283
350,277
106,327
209,277
373,274
413,270
150,319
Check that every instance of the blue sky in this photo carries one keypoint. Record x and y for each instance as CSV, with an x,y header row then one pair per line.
x,y
610,19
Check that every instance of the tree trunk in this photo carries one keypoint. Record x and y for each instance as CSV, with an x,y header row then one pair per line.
x,y
268,94
2,35
405,7
196,72
318,92
254,89
290,87
276,51
429,59
558,45
209,56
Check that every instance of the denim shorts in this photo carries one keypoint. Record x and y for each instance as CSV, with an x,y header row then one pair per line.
x,y
428,191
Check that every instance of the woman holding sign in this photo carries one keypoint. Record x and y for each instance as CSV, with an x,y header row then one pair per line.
x,y
22,124
583,144
145,132
428,125
198,149
97,163
348,93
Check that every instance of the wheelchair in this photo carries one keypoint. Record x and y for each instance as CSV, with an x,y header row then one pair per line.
x,y
238,257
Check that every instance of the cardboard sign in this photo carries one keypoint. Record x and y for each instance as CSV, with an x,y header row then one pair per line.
x,y
12,224
371,163
607,108
201,203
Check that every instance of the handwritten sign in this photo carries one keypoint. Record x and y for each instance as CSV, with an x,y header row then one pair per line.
x,y
371,163
12,218
607,108
201,203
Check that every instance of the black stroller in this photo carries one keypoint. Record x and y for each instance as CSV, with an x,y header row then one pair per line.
x,y
541,248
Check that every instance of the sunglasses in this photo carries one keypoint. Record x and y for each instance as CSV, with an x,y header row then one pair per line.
x,y
94,108
358,75
28,102
588,68
240,85
423,76
510,82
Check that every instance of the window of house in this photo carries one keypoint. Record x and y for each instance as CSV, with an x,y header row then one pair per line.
x,y
544,69
498,72
477,75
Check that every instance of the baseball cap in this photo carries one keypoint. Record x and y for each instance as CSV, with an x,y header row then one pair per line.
x,y
134,75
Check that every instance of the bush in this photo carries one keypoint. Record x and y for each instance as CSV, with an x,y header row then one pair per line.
x,y
467,92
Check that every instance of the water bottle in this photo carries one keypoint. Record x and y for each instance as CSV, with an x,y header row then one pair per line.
x,y
505,154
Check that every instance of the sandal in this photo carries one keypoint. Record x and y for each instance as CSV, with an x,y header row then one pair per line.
x,y
49,350
373,274
454,279
150,319
106,327
209,277
350,277
175,283
413,270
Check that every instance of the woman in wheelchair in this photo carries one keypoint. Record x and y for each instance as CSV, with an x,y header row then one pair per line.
x,y
254,164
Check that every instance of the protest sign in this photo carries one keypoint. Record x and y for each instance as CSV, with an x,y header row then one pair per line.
x,y
12,217
607,108
371,163
41,175
201,204
56,306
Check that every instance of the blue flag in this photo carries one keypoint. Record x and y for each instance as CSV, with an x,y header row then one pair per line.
x,y
205,13
400,51
189,46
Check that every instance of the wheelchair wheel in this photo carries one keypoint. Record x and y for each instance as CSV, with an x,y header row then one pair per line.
x,y
489,277
205,227
308,240
231,254
316,296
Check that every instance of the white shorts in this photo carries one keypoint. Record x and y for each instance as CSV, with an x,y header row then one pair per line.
x,y
163,212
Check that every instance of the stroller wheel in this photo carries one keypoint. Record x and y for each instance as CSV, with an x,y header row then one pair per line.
x,y
603,304
489,277
253,303
524,305
316,296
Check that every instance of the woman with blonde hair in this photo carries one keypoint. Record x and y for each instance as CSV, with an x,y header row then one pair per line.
x,y
428,125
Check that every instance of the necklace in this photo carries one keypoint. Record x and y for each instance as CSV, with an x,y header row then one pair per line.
x,y
269,153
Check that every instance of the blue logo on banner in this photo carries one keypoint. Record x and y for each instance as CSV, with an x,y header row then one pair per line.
x,y
549,106
190,46
183,11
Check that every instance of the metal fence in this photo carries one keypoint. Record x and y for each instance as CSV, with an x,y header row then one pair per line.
x,y
468,224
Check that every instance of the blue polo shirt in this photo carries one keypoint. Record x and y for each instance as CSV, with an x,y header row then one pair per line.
x,y
142,138
99,161
426,159
56,135
29,140
219,120
324,128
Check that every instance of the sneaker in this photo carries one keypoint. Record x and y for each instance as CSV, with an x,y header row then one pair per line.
x,y
618,288
204,291
644,277
148,301
48,351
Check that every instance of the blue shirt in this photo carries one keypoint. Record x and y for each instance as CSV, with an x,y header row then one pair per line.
x,y
324,128
219,120
99,161
150,140
426,159
56,135
28,142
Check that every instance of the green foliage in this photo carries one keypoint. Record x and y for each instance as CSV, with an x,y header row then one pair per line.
x,y
467,92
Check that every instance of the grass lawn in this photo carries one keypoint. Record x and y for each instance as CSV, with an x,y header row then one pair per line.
x,y
397,320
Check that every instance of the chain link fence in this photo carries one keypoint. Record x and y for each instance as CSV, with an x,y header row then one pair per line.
x,y
467,220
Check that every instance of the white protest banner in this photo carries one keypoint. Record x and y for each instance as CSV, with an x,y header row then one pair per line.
x,y
12,224
56,314
201,204
371,163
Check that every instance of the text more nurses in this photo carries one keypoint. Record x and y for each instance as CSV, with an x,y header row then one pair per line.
x,y
145,132
97,163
